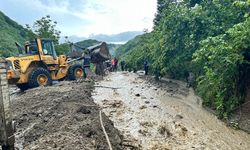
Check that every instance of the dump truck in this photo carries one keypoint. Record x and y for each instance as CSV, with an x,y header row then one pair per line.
x,y
38,64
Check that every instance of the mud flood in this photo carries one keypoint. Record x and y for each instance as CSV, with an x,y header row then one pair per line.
x,y
166,116
61,117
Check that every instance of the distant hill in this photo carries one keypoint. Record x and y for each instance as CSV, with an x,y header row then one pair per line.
x,y
129,46
10,32
87,43
114,38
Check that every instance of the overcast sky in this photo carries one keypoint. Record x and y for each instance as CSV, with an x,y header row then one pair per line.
x,y
85,17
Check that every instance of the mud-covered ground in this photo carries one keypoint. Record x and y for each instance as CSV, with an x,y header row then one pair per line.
x,y
62,116
163,115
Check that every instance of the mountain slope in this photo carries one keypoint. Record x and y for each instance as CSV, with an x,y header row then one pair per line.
x,y
129,46
10,32
114,38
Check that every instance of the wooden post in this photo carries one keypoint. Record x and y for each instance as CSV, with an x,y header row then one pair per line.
x,y
7,138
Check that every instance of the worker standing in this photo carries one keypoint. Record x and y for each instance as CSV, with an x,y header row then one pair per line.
x,y
86,65
146,67
113,64
116,64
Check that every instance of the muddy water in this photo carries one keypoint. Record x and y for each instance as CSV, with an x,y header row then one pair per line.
x,y
163,117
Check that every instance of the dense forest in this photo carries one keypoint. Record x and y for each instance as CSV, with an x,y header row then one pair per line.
x,y
210,38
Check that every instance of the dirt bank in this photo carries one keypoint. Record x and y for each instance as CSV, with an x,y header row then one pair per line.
x,y
62,116
164,115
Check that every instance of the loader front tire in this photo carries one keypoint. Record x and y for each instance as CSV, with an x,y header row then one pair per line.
x,y
75,72
39,77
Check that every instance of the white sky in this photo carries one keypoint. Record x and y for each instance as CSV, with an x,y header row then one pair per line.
x,y
85,17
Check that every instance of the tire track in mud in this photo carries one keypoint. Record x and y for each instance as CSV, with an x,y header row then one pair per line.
x,y
164,115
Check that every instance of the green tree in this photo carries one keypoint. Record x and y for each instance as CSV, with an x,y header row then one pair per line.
x,y
44,28
207,37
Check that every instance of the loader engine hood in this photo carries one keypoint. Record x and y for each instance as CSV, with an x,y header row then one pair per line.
x,y
13,63
20,63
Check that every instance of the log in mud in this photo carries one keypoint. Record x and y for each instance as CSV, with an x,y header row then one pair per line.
x,y
160,116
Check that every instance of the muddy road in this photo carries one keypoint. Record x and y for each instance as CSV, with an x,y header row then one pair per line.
x,y
164,115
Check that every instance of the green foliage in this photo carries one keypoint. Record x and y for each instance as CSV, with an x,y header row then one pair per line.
x,y
44,28
136,51
10,32
62,49
87,43
223,58
214,34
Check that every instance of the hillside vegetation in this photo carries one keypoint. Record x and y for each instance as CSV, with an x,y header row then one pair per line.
x,y
207,38
10,32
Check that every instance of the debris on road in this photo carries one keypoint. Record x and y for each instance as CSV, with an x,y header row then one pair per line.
x,y
170,117
62,116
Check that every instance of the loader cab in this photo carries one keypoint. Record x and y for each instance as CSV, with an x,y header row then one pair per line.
x,y
47,51
48,48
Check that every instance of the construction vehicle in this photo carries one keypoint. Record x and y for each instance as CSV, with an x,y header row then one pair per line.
x,y
38,65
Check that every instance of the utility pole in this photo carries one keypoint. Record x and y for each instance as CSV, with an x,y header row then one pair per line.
x,y
7,138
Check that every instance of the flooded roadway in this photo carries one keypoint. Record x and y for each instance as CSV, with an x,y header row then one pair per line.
x,y
163,117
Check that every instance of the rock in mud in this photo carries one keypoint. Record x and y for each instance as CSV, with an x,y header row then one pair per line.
x,y
178,117
84,110
137,95
143,107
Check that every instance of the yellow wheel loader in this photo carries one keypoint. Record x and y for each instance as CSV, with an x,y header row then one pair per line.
x,y
38,65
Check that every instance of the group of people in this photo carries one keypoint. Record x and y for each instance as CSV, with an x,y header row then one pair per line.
x,y
123,65
114,65
115,62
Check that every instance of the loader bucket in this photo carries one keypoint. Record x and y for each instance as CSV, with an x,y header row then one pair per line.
x,y
99,53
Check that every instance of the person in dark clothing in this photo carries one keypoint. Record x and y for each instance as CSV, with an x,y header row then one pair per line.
x,y
122,65
146,67
86,65
116,64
